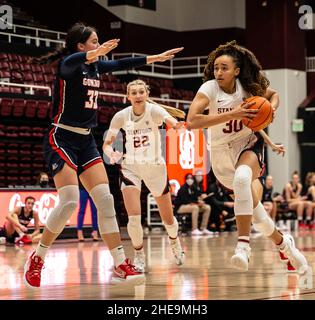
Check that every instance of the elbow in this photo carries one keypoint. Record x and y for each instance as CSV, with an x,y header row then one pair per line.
x,y
191,117
191,122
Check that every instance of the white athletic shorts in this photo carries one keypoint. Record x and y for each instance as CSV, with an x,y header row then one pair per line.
x,y
225,157
154,177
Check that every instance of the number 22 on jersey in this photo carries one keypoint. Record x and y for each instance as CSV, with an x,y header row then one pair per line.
x,y
92,102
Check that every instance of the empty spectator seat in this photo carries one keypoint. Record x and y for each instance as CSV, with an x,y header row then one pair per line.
x,y
4,66
5,107
5,75
3,57
30,108
18,107
16,77
24,67
43,109
5,89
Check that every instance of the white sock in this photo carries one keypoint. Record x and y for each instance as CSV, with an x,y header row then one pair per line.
x,y
41,250
243,242
118,255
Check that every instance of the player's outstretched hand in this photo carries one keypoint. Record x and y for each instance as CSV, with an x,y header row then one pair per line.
x,y
107,46
164,56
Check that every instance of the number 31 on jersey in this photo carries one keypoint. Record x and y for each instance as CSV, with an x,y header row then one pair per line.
x,y
92,103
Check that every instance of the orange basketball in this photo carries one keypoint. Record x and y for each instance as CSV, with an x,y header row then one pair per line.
x,y
263,116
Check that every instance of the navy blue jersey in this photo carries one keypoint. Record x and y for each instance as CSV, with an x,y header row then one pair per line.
x,y
23,219
77,85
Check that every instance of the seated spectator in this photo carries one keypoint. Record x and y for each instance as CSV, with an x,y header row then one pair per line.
x,y
310,193
199,185
270,200
297,202
15,228
43,180
222,216
187,201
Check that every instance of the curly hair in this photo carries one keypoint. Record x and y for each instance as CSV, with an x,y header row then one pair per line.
x,y
250,76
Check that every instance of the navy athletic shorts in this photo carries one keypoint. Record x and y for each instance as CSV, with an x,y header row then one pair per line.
x,y
77,150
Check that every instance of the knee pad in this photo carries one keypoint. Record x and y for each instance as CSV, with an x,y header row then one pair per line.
x,y
242,190
106,214
262,222
68,201
135,230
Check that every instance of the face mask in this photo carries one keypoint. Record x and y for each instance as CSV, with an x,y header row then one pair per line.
x,y
190,182
43,183
198,178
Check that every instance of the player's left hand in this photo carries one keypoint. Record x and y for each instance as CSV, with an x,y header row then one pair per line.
x,y
278,148
169,54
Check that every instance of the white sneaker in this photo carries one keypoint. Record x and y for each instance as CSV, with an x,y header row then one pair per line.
x,y
196,232
139,261
207,232
296,258
177,250
240,259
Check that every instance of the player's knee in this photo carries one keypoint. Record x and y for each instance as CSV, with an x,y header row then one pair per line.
x,y
68,201
242,182
242,190
104,203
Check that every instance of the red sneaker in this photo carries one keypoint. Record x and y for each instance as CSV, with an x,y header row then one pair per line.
x,y
127,273
32,271
302,225
23,240
290,268
283,258
312,226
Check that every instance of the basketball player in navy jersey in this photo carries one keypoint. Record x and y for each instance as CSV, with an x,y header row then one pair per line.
x,y
232,73
70,149
17,221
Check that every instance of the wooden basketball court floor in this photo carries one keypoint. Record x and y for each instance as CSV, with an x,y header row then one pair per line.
x,y
82,271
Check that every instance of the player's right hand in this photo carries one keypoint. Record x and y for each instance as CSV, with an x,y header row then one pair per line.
x,y
115,157
243,111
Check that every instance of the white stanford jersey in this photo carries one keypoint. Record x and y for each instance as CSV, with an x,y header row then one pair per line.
x,y
221,102
143,140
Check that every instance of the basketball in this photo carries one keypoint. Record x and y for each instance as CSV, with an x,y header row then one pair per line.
x,y
263,117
